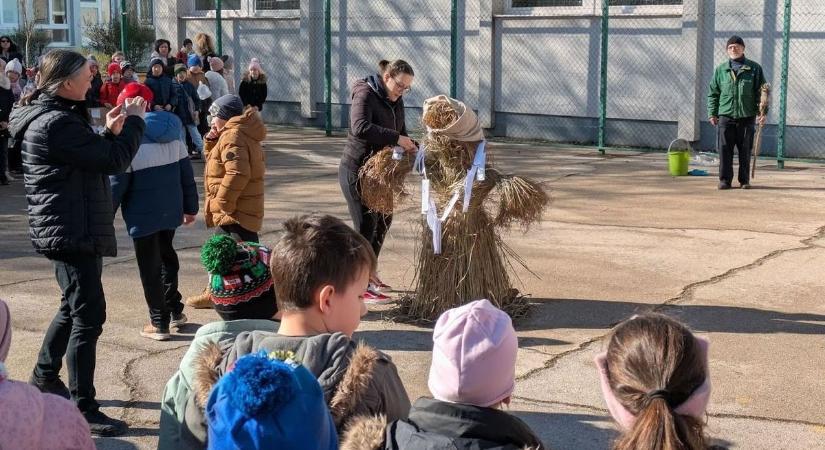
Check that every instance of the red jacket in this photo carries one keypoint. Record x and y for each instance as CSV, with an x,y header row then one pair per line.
x,y
109,92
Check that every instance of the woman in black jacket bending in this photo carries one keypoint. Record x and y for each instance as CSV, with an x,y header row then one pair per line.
x,y
376,121
66,168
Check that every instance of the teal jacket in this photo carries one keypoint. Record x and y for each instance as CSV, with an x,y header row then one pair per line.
x,y
179,387
735,95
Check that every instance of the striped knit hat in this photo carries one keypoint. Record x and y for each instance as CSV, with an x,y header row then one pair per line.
x,y
240,283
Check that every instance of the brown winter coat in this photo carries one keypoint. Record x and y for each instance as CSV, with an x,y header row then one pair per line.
x,y
357,380
234,174
195,78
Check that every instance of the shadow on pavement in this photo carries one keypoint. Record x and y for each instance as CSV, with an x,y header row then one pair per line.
x,y
593,314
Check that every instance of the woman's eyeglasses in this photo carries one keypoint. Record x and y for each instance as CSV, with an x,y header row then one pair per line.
x,y
404,88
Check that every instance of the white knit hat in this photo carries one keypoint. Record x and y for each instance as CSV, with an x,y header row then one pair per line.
x,y
14,66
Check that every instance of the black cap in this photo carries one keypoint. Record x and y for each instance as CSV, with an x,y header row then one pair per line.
x,y
735,40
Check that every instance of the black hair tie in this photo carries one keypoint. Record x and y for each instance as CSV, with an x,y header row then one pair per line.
x,y
659,393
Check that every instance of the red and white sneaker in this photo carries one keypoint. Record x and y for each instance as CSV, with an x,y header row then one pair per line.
x,y
373,297
380,285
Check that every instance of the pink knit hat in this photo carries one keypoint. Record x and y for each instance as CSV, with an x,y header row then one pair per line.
x,y
474,355
254,64
215,63
5,330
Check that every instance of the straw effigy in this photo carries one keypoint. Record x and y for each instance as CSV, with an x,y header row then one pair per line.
x,y
474,262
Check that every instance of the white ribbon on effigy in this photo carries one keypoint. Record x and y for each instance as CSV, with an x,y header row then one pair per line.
x,y
476,172
428,206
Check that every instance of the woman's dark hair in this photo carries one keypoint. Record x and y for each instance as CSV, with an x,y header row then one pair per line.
x,y
160,42
653,352
56,67
12,45
395,67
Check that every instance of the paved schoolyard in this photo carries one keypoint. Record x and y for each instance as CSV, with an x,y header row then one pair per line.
x,y
744,268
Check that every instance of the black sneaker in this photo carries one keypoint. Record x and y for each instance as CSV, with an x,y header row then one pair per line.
x,y
104,426
54,386
724,186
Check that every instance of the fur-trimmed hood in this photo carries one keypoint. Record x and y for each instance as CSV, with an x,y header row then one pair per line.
x,y
356,379
434,425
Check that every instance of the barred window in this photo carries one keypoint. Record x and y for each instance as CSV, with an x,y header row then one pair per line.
x,y
545,3
273,5
209,5
644,2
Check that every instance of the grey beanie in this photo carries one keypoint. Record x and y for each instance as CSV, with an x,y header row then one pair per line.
x,y
227,107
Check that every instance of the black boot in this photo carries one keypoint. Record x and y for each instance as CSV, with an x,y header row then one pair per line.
x,y
54,386
102,425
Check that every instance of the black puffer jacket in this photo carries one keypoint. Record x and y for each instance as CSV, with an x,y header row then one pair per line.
x,y
66,168
375,121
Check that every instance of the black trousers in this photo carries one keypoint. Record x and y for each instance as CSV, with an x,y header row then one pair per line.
x,y
158,266
238,232
4,157
372,225
15,157
76,327
735,133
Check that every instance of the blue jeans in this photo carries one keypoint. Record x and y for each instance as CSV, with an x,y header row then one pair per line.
x,y
197,140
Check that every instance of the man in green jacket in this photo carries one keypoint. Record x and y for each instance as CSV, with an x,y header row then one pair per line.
x,y
733,104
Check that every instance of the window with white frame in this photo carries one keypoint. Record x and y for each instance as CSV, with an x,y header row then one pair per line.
x,y
277,5
593,7
52,17
209,5
143,10
8,12
545,3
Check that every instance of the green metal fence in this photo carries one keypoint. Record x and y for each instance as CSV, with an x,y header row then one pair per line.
x,y
602,73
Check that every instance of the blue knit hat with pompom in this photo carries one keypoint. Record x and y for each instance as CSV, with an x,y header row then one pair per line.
x,y
265,403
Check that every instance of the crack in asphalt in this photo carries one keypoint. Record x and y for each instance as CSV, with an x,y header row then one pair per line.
x,y
131,381
685,294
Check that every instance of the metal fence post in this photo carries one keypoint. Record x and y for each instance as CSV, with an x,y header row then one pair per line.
x,y
328,66
218,28
783,87
603,74
123,22
453,48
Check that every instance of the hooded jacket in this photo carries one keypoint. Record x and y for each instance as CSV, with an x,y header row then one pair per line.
x,y
186,91
253,92
109,91
31,420
234,174
217,84
437,425
375,122
159,186
67,166
6,102
355,378
93,94
179,387
162,89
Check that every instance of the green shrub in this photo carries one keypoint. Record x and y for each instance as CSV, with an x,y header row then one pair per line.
x,y
105,38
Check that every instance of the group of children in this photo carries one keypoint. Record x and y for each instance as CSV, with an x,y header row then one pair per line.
x,y
281,368
180,84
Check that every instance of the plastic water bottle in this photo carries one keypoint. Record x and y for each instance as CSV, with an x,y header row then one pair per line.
x,y
398,153
705,159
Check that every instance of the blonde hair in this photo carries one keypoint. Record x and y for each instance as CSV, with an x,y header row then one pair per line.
x,y
204,44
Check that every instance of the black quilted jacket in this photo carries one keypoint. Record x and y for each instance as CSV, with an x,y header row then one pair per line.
x,y
66,168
